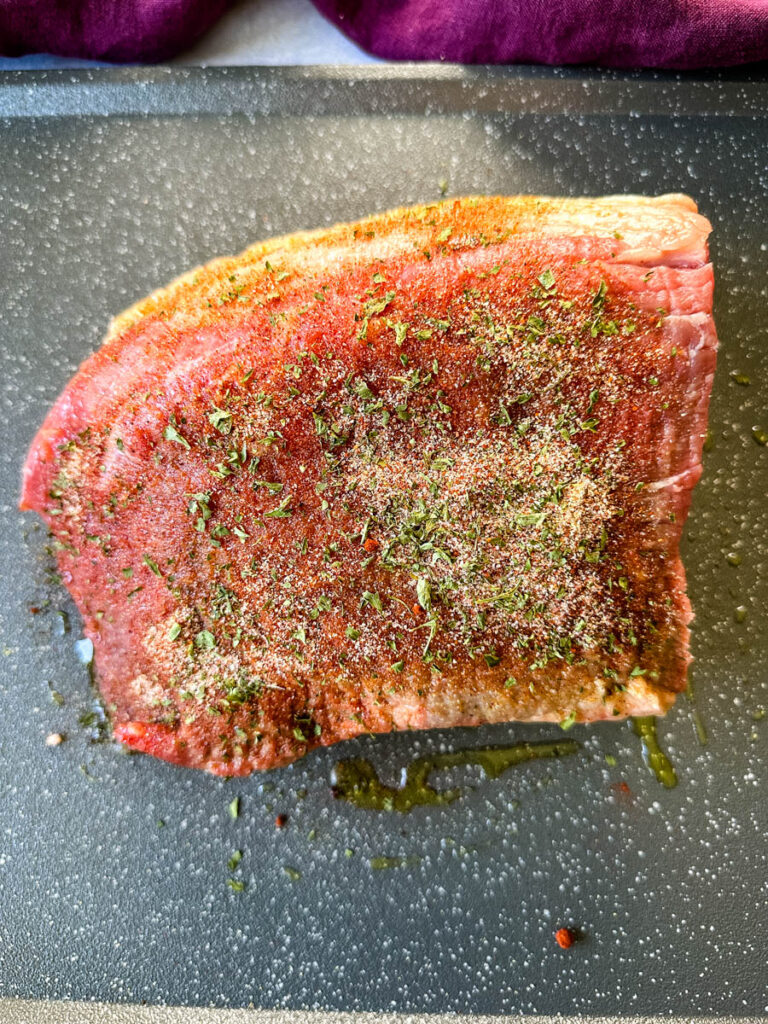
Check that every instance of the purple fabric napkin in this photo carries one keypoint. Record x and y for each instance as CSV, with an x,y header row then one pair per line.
x,y
124,31
613,33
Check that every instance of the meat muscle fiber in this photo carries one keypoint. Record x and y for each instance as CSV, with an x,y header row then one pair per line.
x,y
425,470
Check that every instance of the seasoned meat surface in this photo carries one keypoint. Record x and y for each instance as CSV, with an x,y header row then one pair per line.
x,y
425,470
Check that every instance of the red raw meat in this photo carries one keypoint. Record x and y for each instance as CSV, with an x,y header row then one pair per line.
x,y
426,470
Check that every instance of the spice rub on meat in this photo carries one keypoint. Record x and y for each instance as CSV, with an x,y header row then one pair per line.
x,y
426,470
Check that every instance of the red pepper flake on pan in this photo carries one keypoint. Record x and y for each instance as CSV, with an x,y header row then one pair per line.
x,y
281,821
565,938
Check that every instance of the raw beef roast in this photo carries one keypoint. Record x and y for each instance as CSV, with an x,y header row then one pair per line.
x,y
425,470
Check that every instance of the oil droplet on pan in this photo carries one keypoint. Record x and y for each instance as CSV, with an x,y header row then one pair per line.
x,y
653,755
740,378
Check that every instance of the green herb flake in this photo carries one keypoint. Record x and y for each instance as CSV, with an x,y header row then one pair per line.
x,y
502,417
374,600
566,724
400,330
234,808
375,306
205,640
171,434
282,511
221,420
530,519
547,280
174,632
151,564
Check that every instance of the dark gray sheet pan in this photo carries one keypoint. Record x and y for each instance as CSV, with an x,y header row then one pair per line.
x,y
111,183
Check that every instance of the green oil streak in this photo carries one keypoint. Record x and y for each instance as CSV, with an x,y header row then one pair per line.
x,y
355,779
701,729
653,755
698,721
383,863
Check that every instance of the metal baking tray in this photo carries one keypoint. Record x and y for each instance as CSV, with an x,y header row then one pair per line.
x,y
113,868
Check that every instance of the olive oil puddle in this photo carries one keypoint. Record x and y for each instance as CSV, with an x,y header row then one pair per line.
x,y
653,755
356,781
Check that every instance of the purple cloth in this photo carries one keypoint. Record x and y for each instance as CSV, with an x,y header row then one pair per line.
x,y
613,33
124,31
